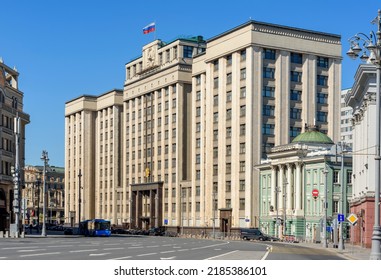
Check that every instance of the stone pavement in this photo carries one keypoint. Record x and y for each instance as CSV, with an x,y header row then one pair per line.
x,y
350,252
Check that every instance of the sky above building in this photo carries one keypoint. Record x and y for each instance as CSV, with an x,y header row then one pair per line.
x,y
64,49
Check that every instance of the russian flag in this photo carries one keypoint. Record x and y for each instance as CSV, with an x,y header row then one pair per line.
x,y
149,28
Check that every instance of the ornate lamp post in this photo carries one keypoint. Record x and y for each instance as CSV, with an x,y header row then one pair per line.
x,y
371,53
45,159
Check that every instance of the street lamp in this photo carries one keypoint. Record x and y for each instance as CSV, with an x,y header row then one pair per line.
x,y
372,45
45,159
325,171
79,196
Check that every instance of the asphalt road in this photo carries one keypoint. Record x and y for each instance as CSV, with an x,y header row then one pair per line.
x,y
128,247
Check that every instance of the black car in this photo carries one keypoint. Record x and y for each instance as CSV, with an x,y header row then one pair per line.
x,y
68,231
156,231
253,234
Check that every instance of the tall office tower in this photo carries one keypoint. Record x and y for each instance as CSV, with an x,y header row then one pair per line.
x,y
255,86
346,129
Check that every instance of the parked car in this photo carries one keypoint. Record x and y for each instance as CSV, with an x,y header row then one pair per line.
x,y
253,234
156,231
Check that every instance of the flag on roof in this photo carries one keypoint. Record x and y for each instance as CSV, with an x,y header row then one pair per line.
x,y
149,28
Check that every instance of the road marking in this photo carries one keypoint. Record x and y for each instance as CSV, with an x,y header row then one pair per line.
x,y
148,254
135,247
170,258
13,248
113,249
59,246
176,247
222,255
268,249
31,250
122,258
166,252
3,257
80,251
214,245
42,254
152,246
182,250
101,254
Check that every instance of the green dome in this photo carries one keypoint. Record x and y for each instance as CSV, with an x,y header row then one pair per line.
x,y
312,135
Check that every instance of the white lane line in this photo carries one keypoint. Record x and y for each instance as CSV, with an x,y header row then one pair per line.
x,y
110,249
135,247
148,254
42,254
80,251
3,257
228,253
59,246
122,258
170,258
31,250
182,250
166,252
13,248
95,255
152,246
270,248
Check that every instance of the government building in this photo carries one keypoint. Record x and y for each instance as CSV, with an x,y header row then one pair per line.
x,y
178,145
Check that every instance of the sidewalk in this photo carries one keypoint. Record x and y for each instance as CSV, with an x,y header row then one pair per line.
x,y
350,252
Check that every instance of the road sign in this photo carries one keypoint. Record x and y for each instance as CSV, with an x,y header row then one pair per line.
x,y
166,221
329,229
247,220
340,217
315,193
352,219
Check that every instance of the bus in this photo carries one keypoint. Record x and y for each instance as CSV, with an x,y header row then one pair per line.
x,y
95,227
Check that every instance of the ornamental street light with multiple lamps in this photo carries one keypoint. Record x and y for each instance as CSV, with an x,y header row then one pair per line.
x,y
371,53
45,159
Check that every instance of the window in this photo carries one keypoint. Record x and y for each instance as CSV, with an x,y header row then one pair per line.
x,y
228,114
322,116
215,117
241,204
242,92
215,135
229,60
215,82
322,98
268,129
215,100
335,206
268,110
269,54
228,186
335,177
242,148
228,203
242,166
198,143
322,62
215,170
296,95
198,159
295,113
243,55
228,78
215,65
242,129
268,72
242,185
295,131
188,51
198,111
228,96
242,110
322,80
296,76
198,79
296,58
228,150
228,132
243,74
215,152
349,177
268,91
198,127
198,95
228,167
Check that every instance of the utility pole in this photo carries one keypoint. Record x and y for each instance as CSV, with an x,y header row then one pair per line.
x,y
325,243
284,209
342,198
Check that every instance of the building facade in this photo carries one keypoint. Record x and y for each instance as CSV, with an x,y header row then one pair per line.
x,y
198,115
346,120
32,195
362,98
255,87
295,182
11,106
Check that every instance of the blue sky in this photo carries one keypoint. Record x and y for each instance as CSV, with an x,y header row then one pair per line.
x,y
64,49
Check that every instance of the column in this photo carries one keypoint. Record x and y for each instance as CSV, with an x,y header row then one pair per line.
x,y
298,189
273,186
289,187
280,187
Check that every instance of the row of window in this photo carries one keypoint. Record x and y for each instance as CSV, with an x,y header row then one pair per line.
x,y
296,58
